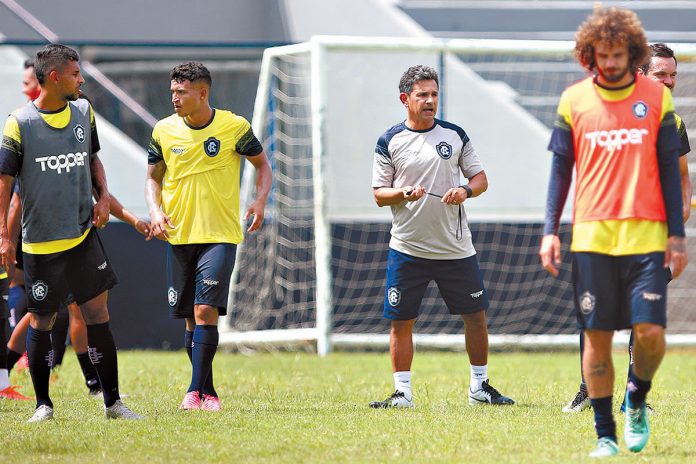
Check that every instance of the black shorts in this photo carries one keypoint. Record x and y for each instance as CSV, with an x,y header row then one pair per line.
x,y
199,274
4,291
19,257
83,271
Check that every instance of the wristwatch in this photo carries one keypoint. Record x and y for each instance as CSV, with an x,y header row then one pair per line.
x,y
469,192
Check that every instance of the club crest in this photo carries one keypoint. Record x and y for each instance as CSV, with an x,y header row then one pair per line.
x,y
172,296
393,296
39,290
587,303
211,146
640,110
79,132
444,149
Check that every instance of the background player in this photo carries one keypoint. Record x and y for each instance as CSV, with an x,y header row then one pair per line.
x,y
192,192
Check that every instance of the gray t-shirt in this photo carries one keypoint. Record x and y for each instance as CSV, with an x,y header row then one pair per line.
x,y
433,158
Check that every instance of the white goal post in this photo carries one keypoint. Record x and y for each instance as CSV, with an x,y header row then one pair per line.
x,y
315,272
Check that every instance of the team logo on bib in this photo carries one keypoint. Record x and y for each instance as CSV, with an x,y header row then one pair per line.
x,y
444,149
211,146
393,296
79,132
39,290
587,303
172,296
640,110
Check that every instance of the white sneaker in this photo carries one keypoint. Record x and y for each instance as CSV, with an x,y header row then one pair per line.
x,y
42,413
488,395
118,410
579,403
396,400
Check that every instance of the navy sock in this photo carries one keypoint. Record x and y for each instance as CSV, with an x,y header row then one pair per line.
x,y
3,343
630,356
39,353
188,344
582,350
208,386
205,342
604,418
59,336
17,302
102,352
12,358
88,371
636,391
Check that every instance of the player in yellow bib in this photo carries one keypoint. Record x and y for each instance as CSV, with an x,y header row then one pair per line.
x,y
192,192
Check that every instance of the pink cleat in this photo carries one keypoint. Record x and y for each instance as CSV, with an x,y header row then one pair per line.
x,y
192,400
211,403
11,393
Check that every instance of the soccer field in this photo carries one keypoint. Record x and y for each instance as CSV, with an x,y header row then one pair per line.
x,y
287,407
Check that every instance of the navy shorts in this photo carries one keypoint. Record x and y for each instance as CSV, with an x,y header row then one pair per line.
x,y
83,271
617,292
459,281
4,293
199,274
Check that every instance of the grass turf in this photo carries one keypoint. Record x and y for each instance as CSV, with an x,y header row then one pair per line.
x,y
287,407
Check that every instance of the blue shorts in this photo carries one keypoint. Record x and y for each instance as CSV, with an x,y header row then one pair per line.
x,y
83,271
617,292
199,274
459,281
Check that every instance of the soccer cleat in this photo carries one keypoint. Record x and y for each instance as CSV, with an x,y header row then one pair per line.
x,y
10,393
636,428
22,363
42,413
647,405
395,400
118,410
211,403
192,400
579,403
606,447
488,395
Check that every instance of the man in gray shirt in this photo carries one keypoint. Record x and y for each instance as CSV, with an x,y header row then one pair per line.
x,y
416,172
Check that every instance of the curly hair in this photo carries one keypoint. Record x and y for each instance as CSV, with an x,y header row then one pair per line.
x,y
616,26
192,71
415,74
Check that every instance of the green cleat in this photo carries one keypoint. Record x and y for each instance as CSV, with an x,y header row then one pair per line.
x,y
606,448
636,428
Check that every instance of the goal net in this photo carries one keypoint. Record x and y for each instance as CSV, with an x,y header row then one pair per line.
x,y
315,272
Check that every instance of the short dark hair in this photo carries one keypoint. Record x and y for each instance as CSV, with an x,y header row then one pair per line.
x,y
660,50
28,63
192,71
50,57
415,74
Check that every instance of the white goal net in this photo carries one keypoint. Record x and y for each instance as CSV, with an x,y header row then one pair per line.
x,y
315,272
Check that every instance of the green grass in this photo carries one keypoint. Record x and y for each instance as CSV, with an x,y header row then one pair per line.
x,y
286,407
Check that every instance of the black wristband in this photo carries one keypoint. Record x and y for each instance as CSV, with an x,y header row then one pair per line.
x,y
469,192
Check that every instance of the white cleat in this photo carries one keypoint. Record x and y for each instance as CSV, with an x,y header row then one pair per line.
x,y
42,413
395,400
579,403
118,410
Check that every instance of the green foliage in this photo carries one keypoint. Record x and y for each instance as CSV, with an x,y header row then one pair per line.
x,y
287,407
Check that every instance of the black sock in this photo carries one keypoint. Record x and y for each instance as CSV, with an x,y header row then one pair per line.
x,y
39,353
205,342
208,386
12,358
59,336
3,343
636,391
582,350
604,418
88,370
102,352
